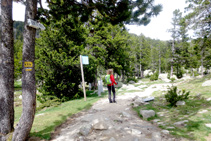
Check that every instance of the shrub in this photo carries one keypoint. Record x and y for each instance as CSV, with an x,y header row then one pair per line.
x,y
173,95
154,76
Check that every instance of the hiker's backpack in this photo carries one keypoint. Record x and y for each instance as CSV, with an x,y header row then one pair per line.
x,y
108,80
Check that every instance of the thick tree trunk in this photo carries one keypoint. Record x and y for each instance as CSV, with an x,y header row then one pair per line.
x,y
23,128
6,70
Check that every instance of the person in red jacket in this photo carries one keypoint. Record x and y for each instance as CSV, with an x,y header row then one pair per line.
x,y
111,86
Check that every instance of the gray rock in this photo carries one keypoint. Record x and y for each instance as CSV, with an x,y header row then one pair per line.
x,y
156,136
208,125
85,130
148,99
81,138
136,97
206,83
170,127
100,126
209,99
180,103
131,82
161,123
147,113
112,139
180,123
156,120
136,132
135,139
139,102
166,132
125,114
203,111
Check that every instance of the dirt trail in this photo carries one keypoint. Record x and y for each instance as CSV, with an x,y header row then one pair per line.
x,y
113,121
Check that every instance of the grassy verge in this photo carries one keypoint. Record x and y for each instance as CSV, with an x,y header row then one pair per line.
x,y
48,119
196,110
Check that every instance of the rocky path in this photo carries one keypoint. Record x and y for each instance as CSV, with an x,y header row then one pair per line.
x,y
113,121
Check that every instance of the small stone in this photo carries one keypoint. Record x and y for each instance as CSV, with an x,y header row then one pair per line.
x,y
156,136
203,111
156,120
166,132
20,97
180,123
125,114
180,103
170,127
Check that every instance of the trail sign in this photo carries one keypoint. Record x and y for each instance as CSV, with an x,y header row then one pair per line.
x,y
85,60
35,24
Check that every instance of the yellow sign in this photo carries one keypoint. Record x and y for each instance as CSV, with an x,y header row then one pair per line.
x,y
28,64
28,69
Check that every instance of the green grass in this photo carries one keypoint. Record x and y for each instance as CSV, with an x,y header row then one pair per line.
x,y
195,129
195,86
48,119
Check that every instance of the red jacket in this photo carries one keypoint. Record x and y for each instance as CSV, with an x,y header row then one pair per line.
x,y
112,81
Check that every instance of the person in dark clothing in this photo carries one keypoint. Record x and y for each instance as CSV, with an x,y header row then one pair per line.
x,y
111,86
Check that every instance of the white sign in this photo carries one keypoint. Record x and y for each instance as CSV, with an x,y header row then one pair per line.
x,y
85,60
35,24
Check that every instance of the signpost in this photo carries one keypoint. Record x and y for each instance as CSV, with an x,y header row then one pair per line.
x,y
35,24
83,60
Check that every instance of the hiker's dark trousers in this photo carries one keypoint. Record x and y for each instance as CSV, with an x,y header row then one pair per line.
x,y
111,88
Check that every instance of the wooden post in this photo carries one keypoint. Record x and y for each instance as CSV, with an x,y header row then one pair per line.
x,y
82,75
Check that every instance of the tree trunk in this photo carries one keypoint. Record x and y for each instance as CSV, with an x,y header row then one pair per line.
x,y
6,70
159,61
23,128
202,62
172,61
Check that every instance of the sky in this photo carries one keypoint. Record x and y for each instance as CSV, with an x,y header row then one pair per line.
x,y
156,29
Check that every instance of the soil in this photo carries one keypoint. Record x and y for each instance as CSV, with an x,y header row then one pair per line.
x,y
119,121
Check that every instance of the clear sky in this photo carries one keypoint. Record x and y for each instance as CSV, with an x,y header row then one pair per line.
x,y
156,29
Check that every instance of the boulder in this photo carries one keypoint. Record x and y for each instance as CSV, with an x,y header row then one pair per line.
x,y
100,125
148,99
206,83
209,99
208,125
85,130
131,82
147,113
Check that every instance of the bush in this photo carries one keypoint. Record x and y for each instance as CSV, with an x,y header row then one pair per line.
x,y
173,95
154,76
